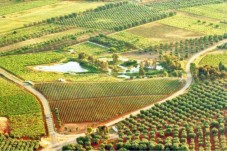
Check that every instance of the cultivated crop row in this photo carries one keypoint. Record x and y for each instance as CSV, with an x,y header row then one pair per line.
x,y
72,91
117,17
176,4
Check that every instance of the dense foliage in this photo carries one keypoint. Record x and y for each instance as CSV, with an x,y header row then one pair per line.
x,y
113,44
7,143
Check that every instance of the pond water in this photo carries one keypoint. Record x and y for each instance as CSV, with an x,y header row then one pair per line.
x,y
69,67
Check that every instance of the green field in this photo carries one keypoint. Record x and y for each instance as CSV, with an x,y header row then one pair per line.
x,y
139,41
184,21
61,8
22,109
162,33
21,65
13,7
89,48
105,100
216,11
213,59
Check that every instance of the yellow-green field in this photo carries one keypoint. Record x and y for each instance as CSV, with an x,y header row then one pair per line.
x,y
162,33
187,22
22,109
18,19
89,48
214,58
137,40
216,11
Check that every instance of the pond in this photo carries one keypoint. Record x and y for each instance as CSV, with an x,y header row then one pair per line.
x,y
69,67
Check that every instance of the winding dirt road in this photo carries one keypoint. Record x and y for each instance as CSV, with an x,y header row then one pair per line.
x,y
71,138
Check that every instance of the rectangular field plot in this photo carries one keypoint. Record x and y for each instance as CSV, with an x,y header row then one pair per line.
x,y
84,102
162,33
217,11
89,48
192,24
139,41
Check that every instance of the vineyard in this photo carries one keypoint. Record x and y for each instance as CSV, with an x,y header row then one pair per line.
x,y
214,59
117,16
119,97
193,121
23,110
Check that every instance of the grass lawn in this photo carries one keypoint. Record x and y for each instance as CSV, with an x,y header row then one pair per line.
x,y
18,19
105,100
217,11
162,33
214,58
22,109
21,65
190,23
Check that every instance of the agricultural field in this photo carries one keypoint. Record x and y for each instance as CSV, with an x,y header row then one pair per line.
x,y
13,7
106,17
85,96
22,109
214,58
193,121
195,24
31,41
216,11
138,41
22,66
163,33
122,74
59,8
89,48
